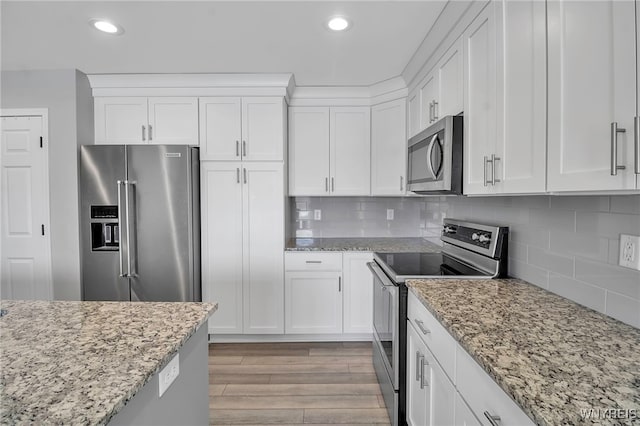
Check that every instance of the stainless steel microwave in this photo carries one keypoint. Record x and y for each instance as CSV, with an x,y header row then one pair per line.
x,y
435,158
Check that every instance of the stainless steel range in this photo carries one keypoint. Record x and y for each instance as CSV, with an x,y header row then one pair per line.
x,y
469,251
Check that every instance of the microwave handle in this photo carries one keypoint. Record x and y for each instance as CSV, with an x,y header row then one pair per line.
x,y
429,152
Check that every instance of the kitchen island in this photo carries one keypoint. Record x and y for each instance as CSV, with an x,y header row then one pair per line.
x,y
97,362
560,362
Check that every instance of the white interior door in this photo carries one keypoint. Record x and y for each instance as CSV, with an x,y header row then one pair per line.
x,y
25,248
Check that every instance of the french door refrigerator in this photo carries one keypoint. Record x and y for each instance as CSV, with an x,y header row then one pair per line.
x,y
140,222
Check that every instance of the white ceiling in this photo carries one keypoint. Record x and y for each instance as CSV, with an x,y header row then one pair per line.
x,y
219,37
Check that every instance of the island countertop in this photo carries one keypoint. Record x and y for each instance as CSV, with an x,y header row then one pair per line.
x,y
551,355
80,362
385,245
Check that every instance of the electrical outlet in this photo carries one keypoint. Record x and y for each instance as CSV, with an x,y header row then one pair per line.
x,y
169,374
317,214
390,214
629,251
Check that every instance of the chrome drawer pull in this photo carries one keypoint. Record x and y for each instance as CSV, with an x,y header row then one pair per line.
x,y
418,364
422,328
614,148
313,261
494,420
423,382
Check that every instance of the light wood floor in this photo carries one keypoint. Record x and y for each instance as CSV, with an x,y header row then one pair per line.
x,y
294,383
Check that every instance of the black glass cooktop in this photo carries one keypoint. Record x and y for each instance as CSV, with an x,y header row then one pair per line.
x,y
405,265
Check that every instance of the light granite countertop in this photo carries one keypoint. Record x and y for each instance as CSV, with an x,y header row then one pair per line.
x,y
385,245
80,362
552,356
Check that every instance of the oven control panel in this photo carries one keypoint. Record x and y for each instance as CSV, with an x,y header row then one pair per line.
x,y
481,238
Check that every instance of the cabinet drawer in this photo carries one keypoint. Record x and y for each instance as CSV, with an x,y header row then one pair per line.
x,y
439,341
483,394
313,261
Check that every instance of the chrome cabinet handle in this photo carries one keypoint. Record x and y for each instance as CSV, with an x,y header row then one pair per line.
x,y
244,148
326,184
422,328
484,166
244,173
636,140
494,420
143,133
614,148
339,284
237,148
333,188
435,110
313,261
418,362
238,175
120,242
493,169
150,132
401,183
430,112
423,381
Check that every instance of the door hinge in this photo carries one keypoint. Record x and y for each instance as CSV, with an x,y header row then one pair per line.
x,y
42,228
40,141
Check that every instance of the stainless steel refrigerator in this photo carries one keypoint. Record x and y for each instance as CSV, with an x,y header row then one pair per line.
x,y
140,222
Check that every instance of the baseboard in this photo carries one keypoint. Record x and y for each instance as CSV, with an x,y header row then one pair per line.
x,y
270,338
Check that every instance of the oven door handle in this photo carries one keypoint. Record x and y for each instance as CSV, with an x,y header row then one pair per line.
x,y
386,282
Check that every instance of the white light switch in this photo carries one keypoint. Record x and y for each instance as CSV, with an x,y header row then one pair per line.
x,y
317,214
390,214
169,374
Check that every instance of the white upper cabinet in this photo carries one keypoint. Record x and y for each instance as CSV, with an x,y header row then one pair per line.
x,y
389,148
248,129
591,78
308,151
141,120
440,93
349,148
504,99
329,151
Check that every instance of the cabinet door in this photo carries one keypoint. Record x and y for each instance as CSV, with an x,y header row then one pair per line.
x,y
418,399
308,151
591,76
442,394
313,302
173,120
479,100
450,100
120,120
414,114
221,202
521,88
263,217
220,128
388,148
263,129
358,293
463,415
428,98
350,147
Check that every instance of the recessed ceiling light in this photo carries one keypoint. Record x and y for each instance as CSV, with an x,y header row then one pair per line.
x,y
338,23
106,26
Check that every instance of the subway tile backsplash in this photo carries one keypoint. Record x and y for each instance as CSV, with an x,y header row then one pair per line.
x,y
566,244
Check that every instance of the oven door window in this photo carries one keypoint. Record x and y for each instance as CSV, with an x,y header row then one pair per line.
x,y
426,159
385,318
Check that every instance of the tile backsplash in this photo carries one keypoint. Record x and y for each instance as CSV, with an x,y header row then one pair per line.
x,y
566,244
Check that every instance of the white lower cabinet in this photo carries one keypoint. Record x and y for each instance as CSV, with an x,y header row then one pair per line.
x,y
328,293
242,259
430,393
466,396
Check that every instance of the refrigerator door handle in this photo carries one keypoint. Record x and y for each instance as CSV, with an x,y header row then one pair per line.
x,y
129,209
121,241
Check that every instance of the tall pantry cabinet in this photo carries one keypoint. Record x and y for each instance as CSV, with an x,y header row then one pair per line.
x,y
243,201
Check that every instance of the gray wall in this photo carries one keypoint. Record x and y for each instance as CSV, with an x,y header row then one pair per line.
x,y
67,96
566,244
